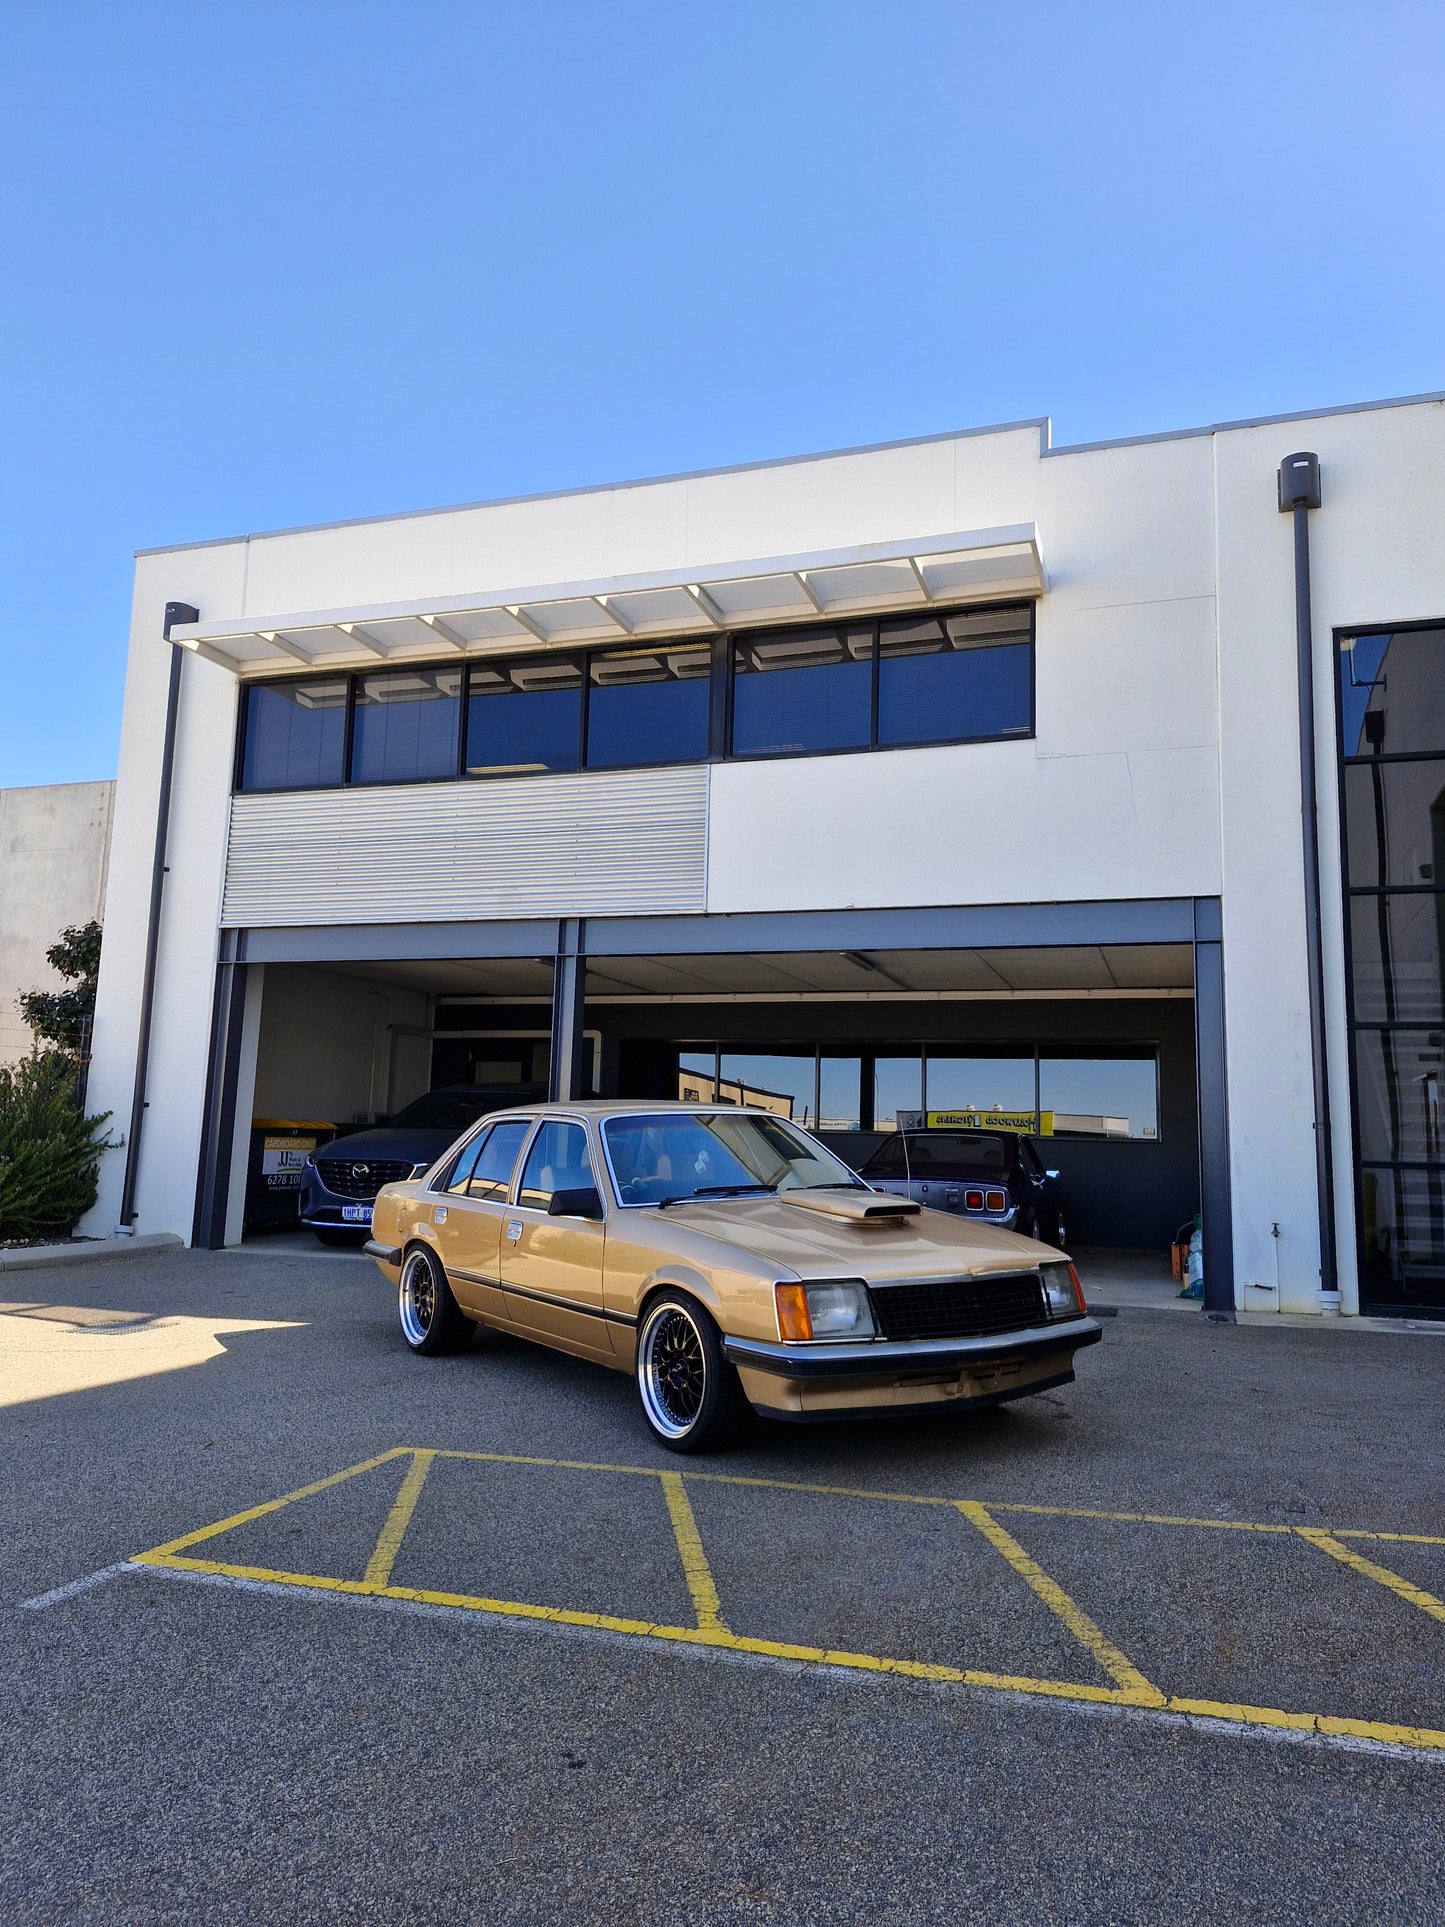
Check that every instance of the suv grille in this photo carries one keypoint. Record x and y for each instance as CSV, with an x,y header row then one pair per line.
x,y
960,1307
359,1177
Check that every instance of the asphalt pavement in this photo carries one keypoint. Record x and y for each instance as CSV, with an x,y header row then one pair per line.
x,y
498,1657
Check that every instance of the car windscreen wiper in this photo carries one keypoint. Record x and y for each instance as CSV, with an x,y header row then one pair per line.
x,y
716,1191
838,1184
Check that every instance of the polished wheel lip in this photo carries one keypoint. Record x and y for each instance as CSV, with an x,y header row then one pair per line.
x,y
665,1371
416,1298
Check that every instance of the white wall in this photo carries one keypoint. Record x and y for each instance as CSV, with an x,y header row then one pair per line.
x,y
54,846
326,1047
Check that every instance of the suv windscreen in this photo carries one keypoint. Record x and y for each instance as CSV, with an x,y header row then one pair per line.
x,y
445,1110
684,1154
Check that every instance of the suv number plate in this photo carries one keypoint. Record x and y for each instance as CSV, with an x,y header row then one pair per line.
x,y
356,1214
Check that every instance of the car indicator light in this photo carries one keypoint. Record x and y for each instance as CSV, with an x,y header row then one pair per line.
x,y
973,1200
998,1200
794,1323
1078,1289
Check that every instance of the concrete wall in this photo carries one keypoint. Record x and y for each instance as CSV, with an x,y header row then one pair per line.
x,y
54,848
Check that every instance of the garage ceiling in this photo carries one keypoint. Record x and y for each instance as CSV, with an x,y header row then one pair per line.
x,y
1072,970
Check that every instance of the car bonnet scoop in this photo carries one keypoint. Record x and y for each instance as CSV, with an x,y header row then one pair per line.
x,y
853,1207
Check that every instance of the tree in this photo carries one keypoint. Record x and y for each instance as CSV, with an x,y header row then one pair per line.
x,y
62,1017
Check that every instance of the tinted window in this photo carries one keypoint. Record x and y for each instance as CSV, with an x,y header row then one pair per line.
x,y
294,735
959,677
557,1161
405,727
968,1083
462,1169
809,690
1395,821
887,1160
957,1154
648,706
492,1177
523,717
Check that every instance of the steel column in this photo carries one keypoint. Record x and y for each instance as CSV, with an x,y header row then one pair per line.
x,y
566,1079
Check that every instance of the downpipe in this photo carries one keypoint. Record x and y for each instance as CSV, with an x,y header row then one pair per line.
x,y
1299,492
175,612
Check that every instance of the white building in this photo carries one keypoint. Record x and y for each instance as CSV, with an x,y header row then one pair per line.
x,y
967,759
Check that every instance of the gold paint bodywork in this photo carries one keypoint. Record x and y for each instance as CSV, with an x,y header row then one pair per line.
x,y
580,1285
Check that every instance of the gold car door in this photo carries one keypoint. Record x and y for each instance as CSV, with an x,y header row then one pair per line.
x,y
467,1220
551,1267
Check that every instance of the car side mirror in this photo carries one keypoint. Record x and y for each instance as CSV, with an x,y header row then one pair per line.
x,y
583,1202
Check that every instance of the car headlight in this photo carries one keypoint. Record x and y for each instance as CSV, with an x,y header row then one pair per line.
x,y
838,1309
1063,1293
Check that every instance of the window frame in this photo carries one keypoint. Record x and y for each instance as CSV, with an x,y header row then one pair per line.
x,y
1400,1305
720,683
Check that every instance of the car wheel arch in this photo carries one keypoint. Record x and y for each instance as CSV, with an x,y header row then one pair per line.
x,y
691,1284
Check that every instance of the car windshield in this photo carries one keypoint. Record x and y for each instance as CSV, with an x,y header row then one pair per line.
x,y
691,1154
445,1110
957,1154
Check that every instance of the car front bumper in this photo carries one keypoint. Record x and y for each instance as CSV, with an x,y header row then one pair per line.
x,y
801,1381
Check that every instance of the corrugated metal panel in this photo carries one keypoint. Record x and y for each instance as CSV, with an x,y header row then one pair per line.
x,y
628,843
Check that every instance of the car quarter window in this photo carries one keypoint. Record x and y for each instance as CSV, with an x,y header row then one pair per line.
x,y
461,1171
492,1176
558,1161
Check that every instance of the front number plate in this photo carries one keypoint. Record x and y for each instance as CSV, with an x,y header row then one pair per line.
x,y
356,1214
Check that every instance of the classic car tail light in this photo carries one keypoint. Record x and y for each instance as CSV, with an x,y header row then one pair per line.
x,y
973,1200
998,1200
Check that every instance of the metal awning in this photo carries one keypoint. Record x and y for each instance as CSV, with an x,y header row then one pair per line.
x,y
986,565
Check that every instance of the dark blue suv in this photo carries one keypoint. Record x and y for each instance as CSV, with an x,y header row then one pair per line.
x,y
340,1181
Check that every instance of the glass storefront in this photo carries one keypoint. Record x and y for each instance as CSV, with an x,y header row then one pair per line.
x,y
1392,742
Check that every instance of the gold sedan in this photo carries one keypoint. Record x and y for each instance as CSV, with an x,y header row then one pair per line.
x,y
723,1257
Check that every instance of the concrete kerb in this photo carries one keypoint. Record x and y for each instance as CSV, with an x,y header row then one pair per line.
x,y
87,1251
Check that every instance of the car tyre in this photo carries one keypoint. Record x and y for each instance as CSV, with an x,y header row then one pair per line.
x,y
431,1320
690,1394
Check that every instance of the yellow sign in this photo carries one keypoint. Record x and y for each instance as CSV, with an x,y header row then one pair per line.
x,y
1026,1123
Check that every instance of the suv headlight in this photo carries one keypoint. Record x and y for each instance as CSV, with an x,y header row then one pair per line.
x,y
838,1309
1063,1293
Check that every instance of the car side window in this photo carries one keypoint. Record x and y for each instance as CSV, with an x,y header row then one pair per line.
x,y
888,1158
492,1175
461,1171
1032,1162
558,1161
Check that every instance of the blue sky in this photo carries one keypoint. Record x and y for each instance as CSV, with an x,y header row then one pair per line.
x,y
269,264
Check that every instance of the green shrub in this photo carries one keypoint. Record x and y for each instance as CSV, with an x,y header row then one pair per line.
x,y
49,1151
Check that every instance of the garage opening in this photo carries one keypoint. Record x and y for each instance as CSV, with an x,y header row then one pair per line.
x,y
1088,1051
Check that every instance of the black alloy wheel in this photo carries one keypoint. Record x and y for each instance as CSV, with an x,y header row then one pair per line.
x,y
690,1393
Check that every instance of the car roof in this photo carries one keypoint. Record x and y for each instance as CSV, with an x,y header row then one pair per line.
x,y
636,1106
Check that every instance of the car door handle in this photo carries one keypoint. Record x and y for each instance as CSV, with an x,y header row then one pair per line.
x,y
514,1230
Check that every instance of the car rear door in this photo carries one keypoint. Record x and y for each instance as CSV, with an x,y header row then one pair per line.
x,y
552,1267
467,1222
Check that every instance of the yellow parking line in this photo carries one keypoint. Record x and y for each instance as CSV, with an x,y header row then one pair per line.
x,y
700,1582
1231,1713
274,1505
1120,1668
1416,1595
388,1544
933,1498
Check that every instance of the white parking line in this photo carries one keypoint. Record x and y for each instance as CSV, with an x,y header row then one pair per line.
x,y
58,1593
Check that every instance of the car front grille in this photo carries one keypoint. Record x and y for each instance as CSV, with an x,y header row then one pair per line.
x,y
960,1307
361,1178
